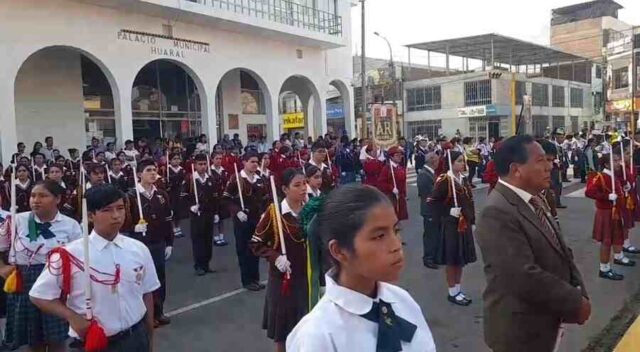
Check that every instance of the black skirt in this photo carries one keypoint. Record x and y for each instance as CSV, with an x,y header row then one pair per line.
x,y
456,249
282,314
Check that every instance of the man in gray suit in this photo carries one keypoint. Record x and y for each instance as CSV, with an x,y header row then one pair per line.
x,y
533,285
431,235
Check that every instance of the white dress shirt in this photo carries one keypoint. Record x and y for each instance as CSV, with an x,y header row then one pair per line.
x,y
116,308
25,252
335,323
524,195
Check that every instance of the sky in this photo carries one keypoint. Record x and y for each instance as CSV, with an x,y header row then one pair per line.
x,y
405,22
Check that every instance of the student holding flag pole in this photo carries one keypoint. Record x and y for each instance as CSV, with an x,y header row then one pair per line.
x,y
102,285
454,211
204,213
392,181
280,239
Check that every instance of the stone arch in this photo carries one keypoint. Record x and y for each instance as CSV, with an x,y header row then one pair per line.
x,y
347,107
312,103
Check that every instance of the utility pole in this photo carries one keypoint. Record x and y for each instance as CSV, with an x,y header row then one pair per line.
x,y
634,82
363,75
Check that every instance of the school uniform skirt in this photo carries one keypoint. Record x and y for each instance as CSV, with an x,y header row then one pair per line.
x,y
456,249
606,230
282,313
26,324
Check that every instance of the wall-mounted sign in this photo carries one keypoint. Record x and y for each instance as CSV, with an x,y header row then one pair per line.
x,y
293,120
477,111
162,45
384,124
335,111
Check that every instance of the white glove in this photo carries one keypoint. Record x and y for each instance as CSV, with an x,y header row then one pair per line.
x,y
396,192
167,252
195,209
613,197
343,174
242,216
627,187
455,212
140,228
216,219
283,264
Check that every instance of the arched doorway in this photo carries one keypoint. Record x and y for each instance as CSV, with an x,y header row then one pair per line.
x,y
165,102
243,106
300,107
65,93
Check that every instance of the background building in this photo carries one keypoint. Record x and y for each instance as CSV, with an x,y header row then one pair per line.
x,y
124,69
485,97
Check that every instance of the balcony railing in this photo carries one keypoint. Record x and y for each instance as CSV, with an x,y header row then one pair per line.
x,y
282,11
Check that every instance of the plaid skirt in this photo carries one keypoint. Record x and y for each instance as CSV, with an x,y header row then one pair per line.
x,y
26,324
606,230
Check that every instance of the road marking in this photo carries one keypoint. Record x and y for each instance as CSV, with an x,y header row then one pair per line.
x,y
207,301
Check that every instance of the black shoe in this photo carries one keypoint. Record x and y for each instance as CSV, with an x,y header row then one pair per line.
x,y
463,301
209,270
252,287
610,275
631,250
162,320
628,263
261,286
200,272
430,264
561,206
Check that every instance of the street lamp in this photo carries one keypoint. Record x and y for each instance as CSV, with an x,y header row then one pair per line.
x,y
389,45
391,65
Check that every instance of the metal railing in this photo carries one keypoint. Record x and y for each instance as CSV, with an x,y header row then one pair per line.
x,y
282,11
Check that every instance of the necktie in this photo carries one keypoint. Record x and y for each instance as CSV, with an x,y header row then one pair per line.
x,y
538,206
392,329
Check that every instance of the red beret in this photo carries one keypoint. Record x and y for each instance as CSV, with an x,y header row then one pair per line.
x,y
395,150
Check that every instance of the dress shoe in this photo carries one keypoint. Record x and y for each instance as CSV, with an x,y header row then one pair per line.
x,y
431,265
163,320
627,262
252,287
261,286
631,250
561,206
200,272
209,270
610,275
459,299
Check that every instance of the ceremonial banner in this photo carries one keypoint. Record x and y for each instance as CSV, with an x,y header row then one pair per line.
x,y
383,120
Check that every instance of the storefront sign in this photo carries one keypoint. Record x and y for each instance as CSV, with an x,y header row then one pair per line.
x,y
161,45
293,120
335,111
477,111
384,124
619,105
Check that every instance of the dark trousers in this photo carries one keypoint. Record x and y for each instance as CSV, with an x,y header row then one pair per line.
x,y
202,239
135,339
249,263
159,295
473,166
556,185
430,239
348,177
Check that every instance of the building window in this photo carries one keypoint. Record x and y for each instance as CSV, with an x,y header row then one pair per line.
x,y
575,125
557,97
521,91
577,97
98,103
540,125
477,93
250,95
557,122
165,102
598,72
424,98
621,78
427,128
540,94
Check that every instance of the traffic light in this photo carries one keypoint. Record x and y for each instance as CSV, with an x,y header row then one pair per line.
x,y
495,74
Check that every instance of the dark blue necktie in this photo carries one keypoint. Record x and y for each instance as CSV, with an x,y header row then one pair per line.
x,y
44,230
392,329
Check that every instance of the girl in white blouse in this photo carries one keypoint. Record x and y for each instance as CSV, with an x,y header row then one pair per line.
x,y
360,310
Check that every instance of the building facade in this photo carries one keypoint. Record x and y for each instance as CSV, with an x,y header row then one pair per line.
x,y
479,105
623,60
124,69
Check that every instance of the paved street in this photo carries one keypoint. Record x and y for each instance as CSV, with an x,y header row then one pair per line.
x,y
211,314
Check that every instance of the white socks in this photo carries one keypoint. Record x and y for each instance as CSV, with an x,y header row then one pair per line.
x,y
618,256
605,267
627,243
453,291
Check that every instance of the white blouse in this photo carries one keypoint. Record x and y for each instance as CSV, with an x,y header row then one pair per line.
x,y
335,323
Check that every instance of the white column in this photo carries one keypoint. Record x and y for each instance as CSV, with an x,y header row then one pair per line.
x,y
273,117
347,107
8,129
122,107
209,118
320,114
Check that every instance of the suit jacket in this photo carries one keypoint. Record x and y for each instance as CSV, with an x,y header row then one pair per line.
x,y
532,283
426,179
